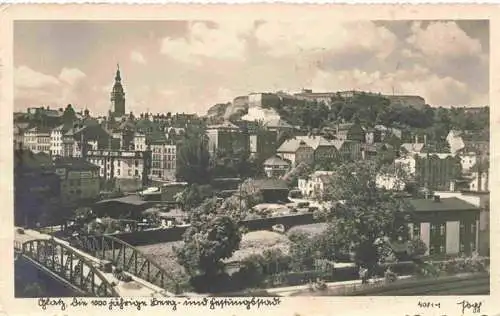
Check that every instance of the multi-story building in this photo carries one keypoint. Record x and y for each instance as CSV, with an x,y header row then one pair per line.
x,y
225,137
433,171
448,226
37,139
163,158
468,160
296,151
140,141
347,149
79,180
18,137
133,167
262,144
56,140
350,131
275,167
36,187
315,185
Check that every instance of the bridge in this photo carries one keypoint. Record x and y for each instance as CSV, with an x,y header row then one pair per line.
x,y
85,273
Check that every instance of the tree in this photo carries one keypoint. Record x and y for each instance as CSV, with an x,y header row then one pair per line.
x,y
193,164
211,238
362,213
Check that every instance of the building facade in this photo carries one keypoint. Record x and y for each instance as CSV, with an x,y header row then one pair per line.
x,y
133,166
37,139
79,180
448,226
275,167
225,137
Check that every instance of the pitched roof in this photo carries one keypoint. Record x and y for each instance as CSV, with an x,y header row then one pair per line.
x,y
413,147
445,204
24,158
224,125
276,161
270,184
277,123
128,199
157,138
291,145
74,163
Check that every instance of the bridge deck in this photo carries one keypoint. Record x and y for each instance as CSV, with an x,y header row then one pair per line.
x,y
136,288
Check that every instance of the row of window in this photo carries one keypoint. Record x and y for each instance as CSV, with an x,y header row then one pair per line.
x,y
437,237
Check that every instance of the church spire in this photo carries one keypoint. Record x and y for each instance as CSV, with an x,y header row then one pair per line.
x,y
118,77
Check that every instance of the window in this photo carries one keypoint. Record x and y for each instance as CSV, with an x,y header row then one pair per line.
x,y
416,230
136,172
137,163
118,172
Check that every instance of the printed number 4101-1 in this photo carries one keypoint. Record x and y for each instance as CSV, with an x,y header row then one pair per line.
x,y
429,305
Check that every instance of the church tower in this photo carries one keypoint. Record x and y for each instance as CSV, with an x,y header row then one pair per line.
x,y
118,96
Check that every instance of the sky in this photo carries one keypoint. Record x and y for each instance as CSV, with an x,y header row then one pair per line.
x,y
188,66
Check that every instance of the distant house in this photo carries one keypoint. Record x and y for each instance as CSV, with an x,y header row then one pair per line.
x,y
272,190
448,226
347,149
413,147
350,131
314,186
296,151
307,149
468,141
275,167
434,171
225,137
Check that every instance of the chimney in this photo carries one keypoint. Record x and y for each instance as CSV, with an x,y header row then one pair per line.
x,y
425,139
437,198
416,139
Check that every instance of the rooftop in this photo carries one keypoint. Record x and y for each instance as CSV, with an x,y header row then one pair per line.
x,y
271,184
293,144
444,204
74,163
276,161
128,199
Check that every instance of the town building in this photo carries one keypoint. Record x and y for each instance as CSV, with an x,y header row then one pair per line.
x,y
37,187
468,160
56,140
479,181
435,171
275,167
262,144
139,142
130,169
79,180
225,138
448,226
468,141
350,131
164,157
272,190
18,137
315,185
296,151
347,149
37,139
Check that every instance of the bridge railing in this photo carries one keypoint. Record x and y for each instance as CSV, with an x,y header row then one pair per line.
x,y
69,265
128,258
